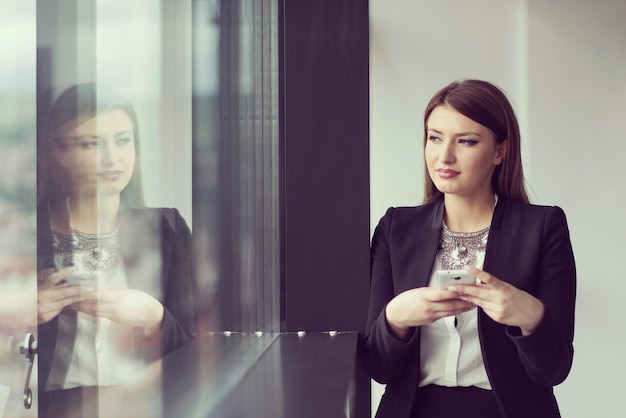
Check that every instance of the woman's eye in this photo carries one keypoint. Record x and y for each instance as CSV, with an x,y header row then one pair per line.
x,y
87,144
434,138
468,141
123,140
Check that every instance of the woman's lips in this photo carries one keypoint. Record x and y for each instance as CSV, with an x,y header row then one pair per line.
x,y
110,175
446,173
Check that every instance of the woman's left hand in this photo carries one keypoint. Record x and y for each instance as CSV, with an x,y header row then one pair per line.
x,y
502,302
124,306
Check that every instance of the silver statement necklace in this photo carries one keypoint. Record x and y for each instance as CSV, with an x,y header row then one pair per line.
x,y
459,249
96,252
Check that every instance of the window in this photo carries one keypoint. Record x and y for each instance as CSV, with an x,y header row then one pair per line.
x,y
201,77
225,125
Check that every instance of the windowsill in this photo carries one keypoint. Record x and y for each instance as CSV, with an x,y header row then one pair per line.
x,y
247,375
298,376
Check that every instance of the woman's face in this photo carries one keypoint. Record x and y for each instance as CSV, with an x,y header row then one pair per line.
x,y
99,154
461,155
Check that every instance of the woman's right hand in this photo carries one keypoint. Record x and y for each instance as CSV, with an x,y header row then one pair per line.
x,y
422,306
52,297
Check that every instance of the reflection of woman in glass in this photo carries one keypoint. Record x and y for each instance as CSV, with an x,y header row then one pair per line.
x,y
114,286
496,346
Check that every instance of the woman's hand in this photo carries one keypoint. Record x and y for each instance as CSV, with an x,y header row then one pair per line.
x,y
123,306
422,306
52,297
503,302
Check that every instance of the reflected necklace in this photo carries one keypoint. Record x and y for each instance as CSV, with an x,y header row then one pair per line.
x,y
97,252
459,249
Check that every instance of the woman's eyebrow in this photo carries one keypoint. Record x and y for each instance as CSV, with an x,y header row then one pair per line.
x,y
457,134
81,137
468,133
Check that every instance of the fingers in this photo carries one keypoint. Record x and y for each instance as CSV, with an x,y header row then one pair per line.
x,y
501,301
100,303
50,302
61,275
485,283
464,290
440,295
43,275
57,297
50,277
483,276
420,306
477,295
456,310
448,303
59,294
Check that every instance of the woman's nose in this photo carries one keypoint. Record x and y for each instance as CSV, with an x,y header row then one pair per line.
x,y
108,153
446,154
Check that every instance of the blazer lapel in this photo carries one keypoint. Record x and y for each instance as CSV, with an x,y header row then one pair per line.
x,y
493,243
54,353
417,253
140,244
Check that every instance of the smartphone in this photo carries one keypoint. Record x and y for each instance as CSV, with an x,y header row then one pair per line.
x,y
83,278
447,278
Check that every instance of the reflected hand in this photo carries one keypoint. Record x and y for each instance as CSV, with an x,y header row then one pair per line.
x,y
422,306
52,297
503,302
124,306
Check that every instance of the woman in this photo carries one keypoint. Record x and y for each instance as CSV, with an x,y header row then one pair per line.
x,y
494,348
114,282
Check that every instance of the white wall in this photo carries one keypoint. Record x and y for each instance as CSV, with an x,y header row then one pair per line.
x,y
577,90
417,48
563,64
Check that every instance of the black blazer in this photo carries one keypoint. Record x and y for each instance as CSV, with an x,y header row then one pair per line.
x,y
144,233
529,247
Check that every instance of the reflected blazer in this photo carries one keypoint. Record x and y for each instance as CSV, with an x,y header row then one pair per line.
x,y
157,234
528,247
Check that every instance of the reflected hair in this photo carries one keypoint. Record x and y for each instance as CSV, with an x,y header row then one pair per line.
x,y
486,104
74,106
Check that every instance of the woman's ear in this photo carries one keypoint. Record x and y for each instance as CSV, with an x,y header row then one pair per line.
x,y
501,152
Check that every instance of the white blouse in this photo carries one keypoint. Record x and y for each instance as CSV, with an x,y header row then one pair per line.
x,y
103,351
451,355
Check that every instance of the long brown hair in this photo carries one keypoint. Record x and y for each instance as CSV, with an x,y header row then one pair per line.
x,y
76,105
486,104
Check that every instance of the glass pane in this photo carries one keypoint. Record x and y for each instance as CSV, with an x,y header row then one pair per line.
x,y
236,135
114,90
18,301
236,200
146,105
